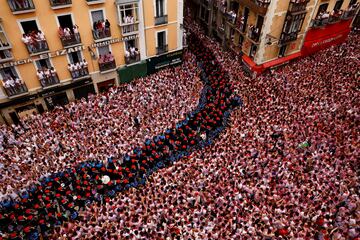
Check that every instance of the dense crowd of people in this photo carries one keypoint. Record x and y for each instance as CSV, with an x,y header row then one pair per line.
x,y
284,167
97,129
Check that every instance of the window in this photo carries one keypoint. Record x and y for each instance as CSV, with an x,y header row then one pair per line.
x,y
46,73
97,15
352,2
161,39
75,57
29,27
8,72
322,8
33,38
161,42
101,26
103,51
11,82
160,8
68,32
338,5
128,13
43,64
3,39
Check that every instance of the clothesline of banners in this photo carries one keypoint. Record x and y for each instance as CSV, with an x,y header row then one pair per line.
x,y
67,51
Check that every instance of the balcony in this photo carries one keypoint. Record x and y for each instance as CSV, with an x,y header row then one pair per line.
x,y
37,47
334,18
93,2
71,40
254,33
14,87
49,79
79,72
129,28
161,49
57,4
161,20
23,6
298,6
348,14
287,37
5,55
107,66
101,34
132,59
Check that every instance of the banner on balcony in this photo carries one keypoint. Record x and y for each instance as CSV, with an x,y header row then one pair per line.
x,y
320,38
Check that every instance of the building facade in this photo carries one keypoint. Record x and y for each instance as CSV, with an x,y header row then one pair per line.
x,y
56,51
269,33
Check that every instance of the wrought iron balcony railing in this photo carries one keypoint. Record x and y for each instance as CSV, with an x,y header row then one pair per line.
x,y
161,49
22,6
132,58
106,66
161,20
60,3
14,87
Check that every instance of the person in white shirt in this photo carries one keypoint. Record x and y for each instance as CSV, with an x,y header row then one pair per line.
x,y
78,71
132,51
67,33
40,38
27,41
84,67
41,76
76,32
71,70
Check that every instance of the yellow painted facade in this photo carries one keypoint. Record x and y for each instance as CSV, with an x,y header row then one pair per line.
x,y
151,20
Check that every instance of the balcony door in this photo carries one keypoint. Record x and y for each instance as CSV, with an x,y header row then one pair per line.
x,y
43,64
338,5
161,39
97,15
29,26
160,8
8,72
65,21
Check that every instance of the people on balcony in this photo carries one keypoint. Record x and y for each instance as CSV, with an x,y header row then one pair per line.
x,y
106,59
132,54
35,41
13,85
21,4
101,29
78,69
47,76
240,23
254,32
67,34
76,32
129,19
232,16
